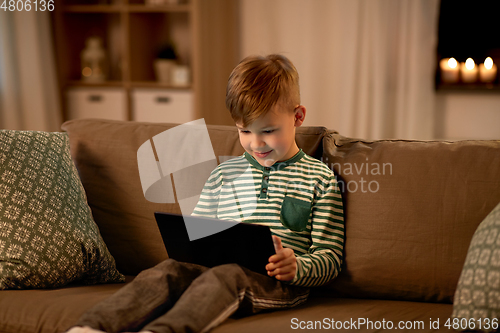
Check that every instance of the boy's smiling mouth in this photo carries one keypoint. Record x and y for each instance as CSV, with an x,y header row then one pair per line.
x,y
262,155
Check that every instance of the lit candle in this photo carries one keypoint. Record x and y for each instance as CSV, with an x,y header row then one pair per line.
x,y
487,71
449,70
468,71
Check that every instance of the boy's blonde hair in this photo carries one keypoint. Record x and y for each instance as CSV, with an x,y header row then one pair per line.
x,y
259,83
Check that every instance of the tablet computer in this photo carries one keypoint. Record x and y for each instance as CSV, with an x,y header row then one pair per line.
x,y
249,245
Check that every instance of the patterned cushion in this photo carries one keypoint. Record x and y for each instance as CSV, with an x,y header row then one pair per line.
x,y
48,237
477,297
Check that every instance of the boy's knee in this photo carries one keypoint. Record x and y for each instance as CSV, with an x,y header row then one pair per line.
x,y
235,268
158,271
228,271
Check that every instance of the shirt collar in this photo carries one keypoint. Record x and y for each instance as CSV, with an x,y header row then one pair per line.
x,y
278,165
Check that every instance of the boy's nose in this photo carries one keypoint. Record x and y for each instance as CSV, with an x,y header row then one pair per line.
x,y
257,142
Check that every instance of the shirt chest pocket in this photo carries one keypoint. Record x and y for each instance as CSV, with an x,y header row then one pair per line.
x,y
295,214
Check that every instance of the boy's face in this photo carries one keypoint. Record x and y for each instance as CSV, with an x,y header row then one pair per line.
x,y
271,137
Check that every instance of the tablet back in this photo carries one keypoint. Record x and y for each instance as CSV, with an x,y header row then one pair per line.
x,y
249,245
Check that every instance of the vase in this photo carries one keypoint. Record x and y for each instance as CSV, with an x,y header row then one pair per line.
x,y
164,69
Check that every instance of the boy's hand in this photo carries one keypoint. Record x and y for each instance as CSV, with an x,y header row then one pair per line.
x,y
282,265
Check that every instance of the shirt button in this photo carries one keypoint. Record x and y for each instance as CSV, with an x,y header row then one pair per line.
x,y
266,178
264,190
267,169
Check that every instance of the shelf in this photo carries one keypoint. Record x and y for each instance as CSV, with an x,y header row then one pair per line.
x,y
124,84
133,34
473,88
135,8
150,33
157,8
154,84
79,83
92,8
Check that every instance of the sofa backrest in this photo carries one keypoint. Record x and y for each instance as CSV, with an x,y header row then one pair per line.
x,y
411,208
105,154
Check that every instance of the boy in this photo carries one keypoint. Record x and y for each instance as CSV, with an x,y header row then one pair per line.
x,y
278,185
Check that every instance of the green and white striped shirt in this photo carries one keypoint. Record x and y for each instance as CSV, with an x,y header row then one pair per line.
x,y
299,199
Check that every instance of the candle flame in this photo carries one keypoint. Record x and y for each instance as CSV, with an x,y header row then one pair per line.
x,y
488,63
469,64
452,63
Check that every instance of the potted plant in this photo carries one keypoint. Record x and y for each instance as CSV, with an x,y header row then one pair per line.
x,y
165,63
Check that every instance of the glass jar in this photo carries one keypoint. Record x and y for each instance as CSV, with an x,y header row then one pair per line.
x,y
94,61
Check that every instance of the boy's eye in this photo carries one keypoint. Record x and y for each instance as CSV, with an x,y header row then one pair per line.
x,y
244,131
268,131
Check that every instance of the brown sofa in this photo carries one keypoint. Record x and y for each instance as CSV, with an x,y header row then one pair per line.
x,y
411,208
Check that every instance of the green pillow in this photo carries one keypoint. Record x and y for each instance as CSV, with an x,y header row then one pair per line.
x,y
477,299
48,237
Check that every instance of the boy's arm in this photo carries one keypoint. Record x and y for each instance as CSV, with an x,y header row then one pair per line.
x,y
323,260
209,198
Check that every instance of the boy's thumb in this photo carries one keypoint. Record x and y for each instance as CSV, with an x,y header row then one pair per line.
x,y
277,243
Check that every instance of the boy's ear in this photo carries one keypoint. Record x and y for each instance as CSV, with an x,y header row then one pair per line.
x,y
300,115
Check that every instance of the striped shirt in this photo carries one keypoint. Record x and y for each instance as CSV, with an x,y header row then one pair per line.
x,y
299,199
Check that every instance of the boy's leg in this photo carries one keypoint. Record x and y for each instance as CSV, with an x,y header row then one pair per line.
x,y
219,292
151,294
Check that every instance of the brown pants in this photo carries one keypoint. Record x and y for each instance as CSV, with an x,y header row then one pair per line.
x,y
180,297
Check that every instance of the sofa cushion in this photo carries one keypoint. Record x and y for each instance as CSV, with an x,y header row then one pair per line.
x,y
47,235
50,310
324,314
478,293
105,153
411,208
